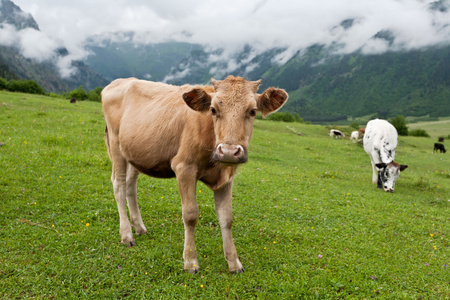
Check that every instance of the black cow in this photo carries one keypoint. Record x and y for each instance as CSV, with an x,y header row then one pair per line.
x,y
439,147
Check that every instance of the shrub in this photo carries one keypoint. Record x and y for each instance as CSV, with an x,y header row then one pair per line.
x,y
3,84
400,124
94,95
297,118
354,125
25,86
54,95
286,117
418,132
79,93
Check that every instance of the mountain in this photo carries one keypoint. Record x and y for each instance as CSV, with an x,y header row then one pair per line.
x,y
172,62
322,88
322,85
12,14
14,65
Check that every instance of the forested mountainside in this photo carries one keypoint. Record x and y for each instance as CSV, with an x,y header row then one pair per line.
x,y
322,84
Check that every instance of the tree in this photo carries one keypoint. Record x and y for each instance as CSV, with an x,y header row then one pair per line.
x,y
3,83
418,132
79,93
400,124
355,125
25,86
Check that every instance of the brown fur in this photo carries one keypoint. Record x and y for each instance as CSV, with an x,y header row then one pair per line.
x,y
362,131
191,132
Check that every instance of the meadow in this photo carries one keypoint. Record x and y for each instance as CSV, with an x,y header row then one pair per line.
x,y
308,222
435,129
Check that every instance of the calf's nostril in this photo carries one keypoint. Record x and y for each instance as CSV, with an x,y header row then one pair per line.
x,y
238,152
219,149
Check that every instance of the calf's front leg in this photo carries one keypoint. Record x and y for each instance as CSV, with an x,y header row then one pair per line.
x,y
187,184
223,201
374,168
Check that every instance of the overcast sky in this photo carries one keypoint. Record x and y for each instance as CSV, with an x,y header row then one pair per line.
x,y
233,23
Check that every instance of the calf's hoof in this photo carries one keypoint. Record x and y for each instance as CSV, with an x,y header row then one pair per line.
x,y
240,271
191,266
235,267
129,244
191,271
139,230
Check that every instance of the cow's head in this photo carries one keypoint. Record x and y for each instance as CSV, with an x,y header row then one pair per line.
x,y
388,174
232,105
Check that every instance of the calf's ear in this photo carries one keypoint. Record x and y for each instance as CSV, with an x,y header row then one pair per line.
x,y
402,167
198,99
271,100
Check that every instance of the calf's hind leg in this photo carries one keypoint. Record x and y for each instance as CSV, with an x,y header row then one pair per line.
x,y
135,214
119,181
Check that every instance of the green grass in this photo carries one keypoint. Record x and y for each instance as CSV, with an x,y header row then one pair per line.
x,y
435,129
298,197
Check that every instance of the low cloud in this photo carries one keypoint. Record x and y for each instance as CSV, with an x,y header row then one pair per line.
x,y
32,43
346,25
36,45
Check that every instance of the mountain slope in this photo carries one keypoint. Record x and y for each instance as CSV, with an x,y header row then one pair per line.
x,y
14,64
410,83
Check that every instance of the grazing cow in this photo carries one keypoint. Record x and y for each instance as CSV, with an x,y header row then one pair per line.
x,y
441,140
439,147
73,100
188,132
380,141
354,136
362,131
336,133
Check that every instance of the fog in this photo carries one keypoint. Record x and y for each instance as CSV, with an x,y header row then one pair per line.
x,y
347,25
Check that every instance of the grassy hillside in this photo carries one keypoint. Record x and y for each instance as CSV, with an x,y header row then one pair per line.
x,y
308,223
435,129
324,88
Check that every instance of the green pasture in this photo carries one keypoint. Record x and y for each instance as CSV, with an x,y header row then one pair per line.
x,y
435,129
308,222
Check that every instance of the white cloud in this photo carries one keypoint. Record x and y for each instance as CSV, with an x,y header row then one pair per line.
x,y
36,45
8,35
176,75
263,24
31,42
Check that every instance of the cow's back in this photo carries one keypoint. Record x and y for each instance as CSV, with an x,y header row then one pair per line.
x,y
151,121
131,96
380,136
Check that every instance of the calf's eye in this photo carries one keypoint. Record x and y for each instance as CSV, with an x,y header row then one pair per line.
x,y
252,113
213,111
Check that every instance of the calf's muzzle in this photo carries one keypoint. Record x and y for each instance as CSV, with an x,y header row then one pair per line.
x,y
230,154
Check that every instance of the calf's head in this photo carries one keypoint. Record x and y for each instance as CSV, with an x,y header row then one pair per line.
x,y
232,104
388,174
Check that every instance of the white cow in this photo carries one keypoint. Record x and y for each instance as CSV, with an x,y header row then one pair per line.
x,y
336,133
354,136
380,141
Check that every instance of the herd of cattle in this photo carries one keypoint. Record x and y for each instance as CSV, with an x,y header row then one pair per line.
x,y
380,141
202,133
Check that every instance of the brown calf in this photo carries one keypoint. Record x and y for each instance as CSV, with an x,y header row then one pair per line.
x,y
190,132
